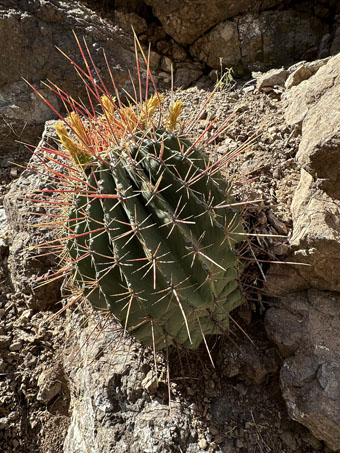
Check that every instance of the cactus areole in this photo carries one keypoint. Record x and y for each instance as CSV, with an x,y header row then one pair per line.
x,y
155,243
150,225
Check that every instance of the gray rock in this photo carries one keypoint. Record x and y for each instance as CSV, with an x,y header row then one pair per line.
x,y
335,46
220,48
271,78
187,73
273,38
306,327
185,21
247,362
29,35
49,385
258,41
110,410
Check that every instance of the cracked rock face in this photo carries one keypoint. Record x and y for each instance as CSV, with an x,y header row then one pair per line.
x,y
257,41
306,329
309,105
111,404
187,20
312,107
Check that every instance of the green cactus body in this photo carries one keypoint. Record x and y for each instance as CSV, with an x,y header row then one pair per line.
x,y
152,245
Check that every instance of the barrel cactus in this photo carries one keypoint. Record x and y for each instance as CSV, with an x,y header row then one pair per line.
x,y
150,224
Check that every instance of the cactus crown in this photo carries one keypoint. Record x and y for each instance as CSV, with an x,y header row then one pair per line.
x,y
150,224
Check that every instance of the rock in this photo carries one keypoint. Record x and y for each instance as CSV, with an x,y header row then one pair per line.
x,y
150,382
303,71
29,35
203,444
273,38
4,233
166,64
250,41
25,266
316,234
271,78
130,20
220,48
313,106
49,385
315,243
335,46
247,362
187,73
185,22
305,327
5,340
4,422
15,346
110,411
324,47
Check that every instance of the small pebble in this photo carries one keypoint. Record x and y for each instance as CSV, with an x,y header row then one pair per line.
x,y
202,443
4,422
15,346
4,341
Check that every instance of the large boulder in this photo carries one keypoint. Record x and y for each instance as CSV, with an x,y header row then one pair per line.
x,y
30,31
187,20
305,327
316,235
257,41
315,243
313,106
117,401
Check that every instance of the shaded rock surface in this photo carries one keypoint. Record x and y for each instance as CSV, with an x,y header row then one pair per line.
x,y
185,20
25,263
257,41
306,328
29,35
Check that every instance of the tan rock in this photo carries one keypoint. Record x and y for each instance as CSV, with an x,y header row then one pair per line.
x,y
305,327
315,241
271,78
313,104
304,71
